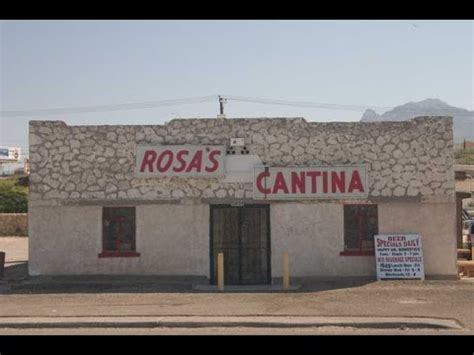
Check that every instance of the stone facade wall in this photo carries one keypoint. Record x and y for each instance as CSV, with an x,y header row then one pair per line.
x,y
13,224
412,159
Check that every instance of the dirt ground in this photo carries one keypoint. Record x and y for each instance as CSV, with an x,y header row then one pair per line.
x,y
16,249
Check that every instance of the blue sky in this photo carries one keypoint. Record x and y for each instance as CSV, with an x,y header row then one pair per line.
x,y
51,64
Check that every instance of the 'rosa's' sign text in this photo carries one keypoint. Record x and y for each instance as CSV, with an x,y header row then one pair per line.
x,y
274,183
184,160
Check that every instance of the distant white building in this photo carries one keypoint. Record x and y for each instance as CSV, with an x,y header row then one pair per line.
x,y
12,168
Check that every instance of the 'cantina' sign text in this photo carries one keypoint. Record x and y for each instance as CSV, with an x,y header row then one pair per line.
x,y
180,160
276,183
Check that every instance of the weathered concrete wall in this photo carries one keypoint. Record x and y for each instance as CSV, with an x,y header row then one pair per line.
x,y
172,240
313,234
14,224
66,240
405,159
435,222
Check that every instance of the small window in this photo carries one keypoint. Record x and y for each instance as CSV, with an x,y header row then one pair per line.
x,y
118,232
360,226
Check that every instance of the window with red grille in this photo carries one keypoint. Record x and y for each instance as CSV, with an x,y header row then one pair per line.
x,y
360,226
118,232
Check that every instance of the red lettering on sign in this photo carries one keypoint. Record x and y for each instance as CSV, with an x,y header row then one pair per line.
x,y
313,175
213,160
356,183
196,163
148,159
298,182
325,182
280,184
338,182
179,158
162,168
260,177
303,182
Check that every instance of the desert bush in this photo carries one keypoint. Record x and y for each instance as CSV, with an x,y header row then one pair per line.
x,y
13,202
464,156
13,197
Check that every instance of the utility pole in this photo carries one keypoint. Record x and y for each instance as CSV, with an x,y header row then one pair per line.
x,y
222,101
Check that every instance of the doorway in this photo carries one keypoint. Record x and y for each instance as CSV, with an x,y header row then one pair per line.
x,y
242,233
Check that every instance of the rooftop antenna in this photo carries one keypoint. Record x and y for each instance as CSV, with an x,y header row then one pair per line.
x,y
222,101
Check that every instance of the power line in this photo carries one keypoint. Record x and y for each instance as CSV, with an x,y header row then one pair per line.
x,y
360,108
305,103
222,99
106,108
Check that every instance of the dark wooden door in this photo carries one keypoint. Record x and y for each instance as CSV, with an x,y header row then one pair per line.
x,y
225,237
255,245
243,235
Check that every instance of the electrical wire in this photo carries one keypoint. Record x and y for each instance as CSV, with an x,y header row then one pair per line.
x,y
304,103
107,108
186,101
360,108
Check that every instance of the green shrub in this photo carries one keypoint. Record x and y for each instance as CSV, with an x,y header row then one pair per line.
x,y
13,202
13,197
464,156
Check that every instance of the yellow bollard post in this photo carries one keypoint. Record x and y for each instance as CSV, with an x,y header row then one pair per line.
x,y
220,272
286,271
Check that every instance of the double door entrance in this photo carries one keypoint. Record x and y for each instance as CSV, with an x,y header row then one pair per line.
x,y
243,234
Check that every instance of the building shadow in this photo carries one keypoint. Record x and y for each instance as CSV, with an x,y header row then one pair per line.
x,y
15,271
18,281
319,284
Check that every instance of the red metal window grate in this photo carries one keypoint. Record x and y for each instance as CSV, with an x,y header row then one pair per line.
x,y
360,226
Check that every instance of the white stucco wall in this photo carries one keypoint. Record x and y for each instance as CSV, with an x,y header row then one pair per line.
x,y
172,240
313,234
435,222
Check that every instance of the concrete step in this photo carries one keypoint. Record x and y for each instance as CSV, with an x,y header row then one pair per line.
x,y
246,288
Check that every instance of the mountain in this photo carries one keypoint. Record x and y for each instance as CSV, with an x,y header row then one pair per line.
x,y
463,119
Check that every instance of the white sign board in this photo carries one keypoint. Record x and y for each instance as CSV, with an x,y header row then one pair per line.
x,y
9,153
239,168
180,160
399,256
326,182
